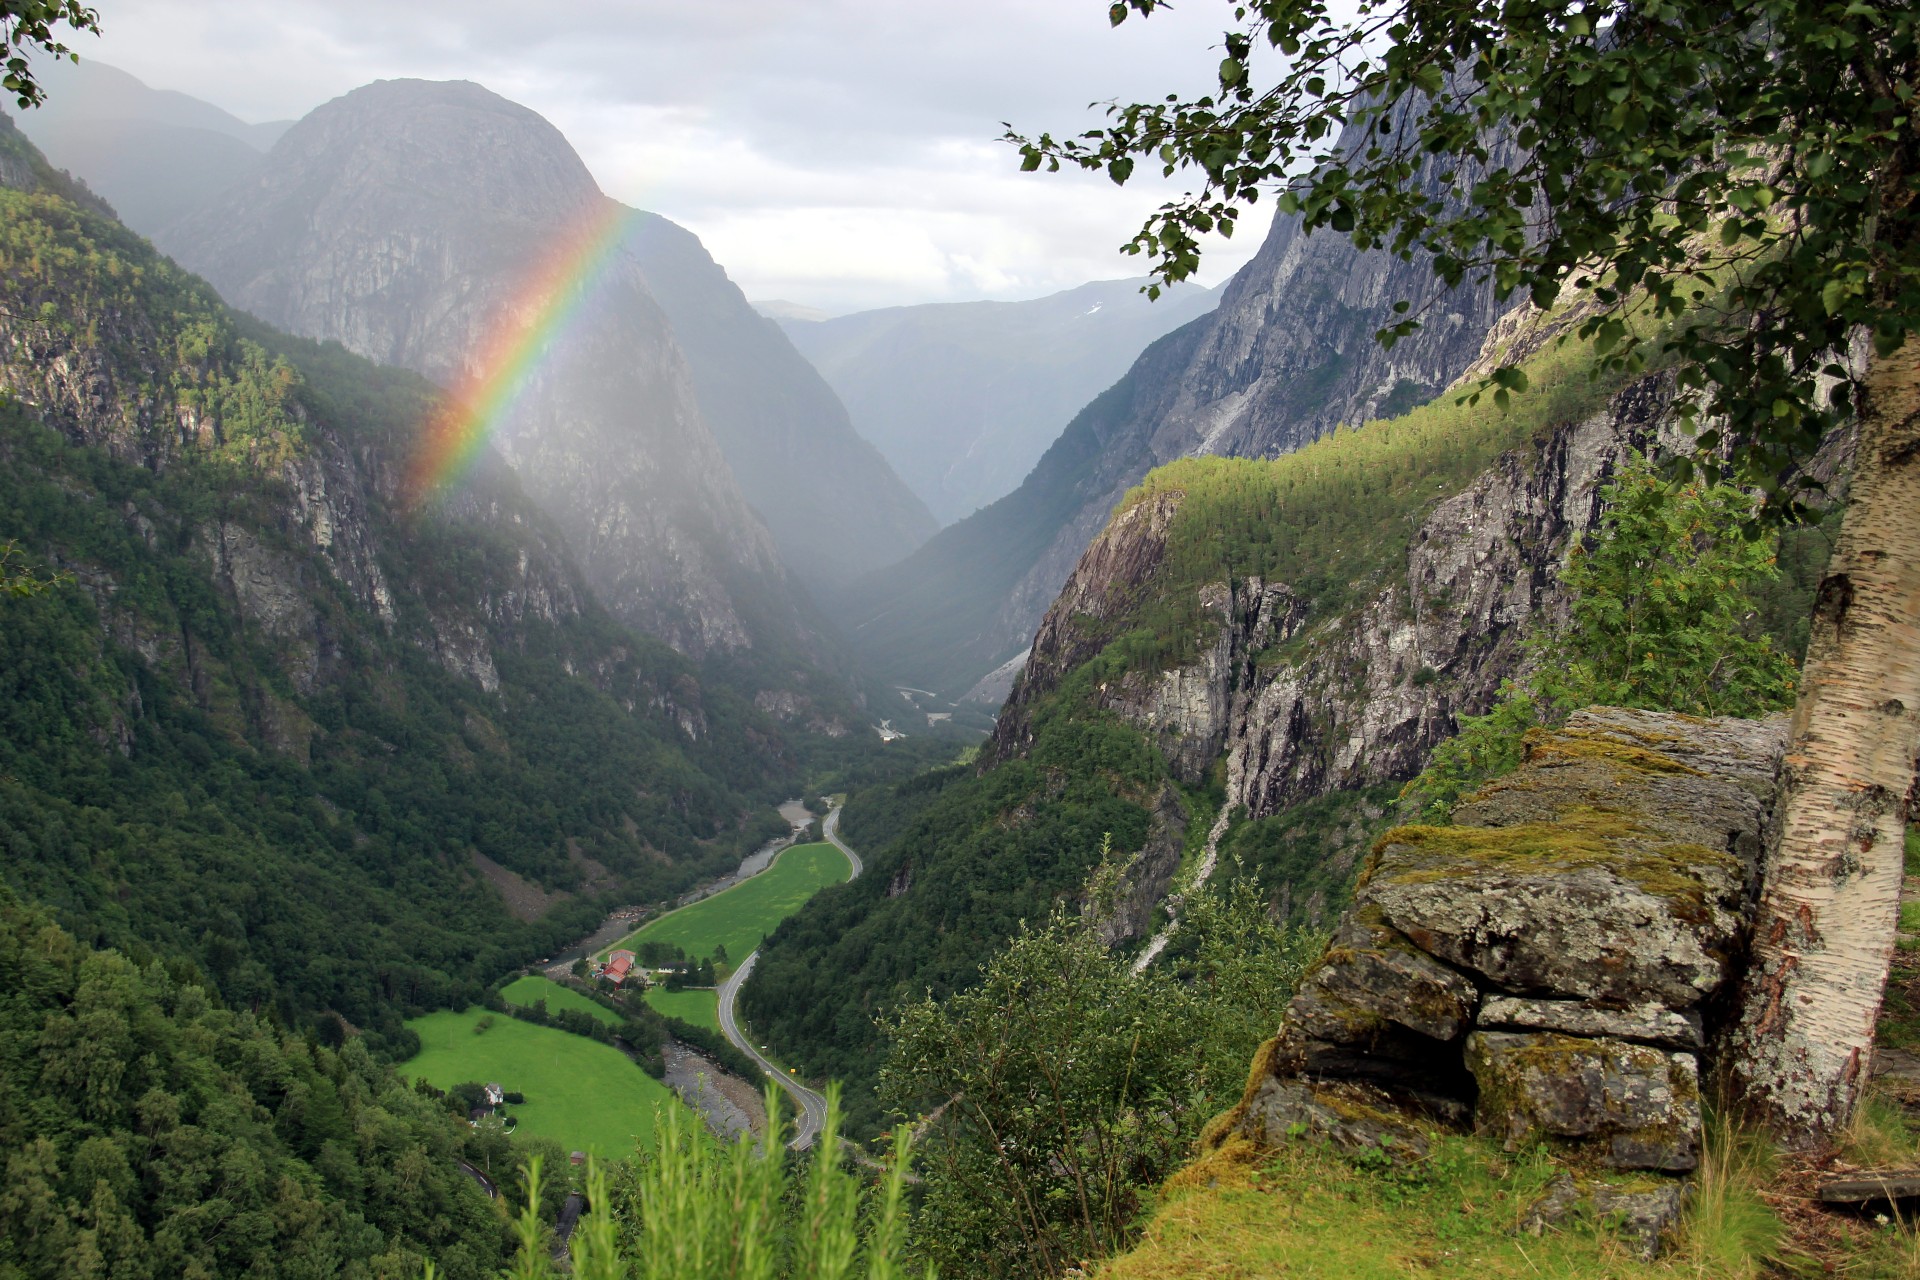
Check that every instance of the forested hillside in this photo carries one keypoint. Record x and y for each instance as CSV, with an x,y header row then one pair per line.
x,y
153,1133
268,723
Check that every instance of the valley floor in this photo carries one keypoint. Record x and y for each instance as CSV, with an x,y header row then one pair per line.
x,y
582,1094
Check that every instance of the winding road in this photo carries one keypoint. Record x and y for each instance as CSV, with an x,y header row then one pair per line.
x,y
812,1106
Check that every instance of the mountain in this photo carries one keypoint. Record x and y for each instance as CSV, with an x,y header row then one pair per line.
x,y
781,309
409,221
1287,356
330,754
833,505
153,154
963,397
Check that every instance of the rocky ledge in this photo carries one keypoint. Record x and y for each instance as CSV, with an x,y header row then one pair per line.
x,y
1548,968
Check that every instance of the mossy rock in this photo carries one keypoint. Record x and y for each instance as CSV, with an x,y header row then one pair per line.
x,y
1680,779
1582,909
1613,866
1345,1115
1632,1105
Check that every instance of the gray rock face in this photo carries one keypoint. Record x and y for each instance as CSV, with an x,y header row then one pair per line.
x,y
1593,932
1373,967
1344,1115
1648,1023
1370,692
1643,1215
1639,1105
1614,867
406,220
1552,972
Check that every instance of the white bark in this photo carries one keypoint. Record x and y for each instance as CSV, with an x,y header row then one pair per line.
x,y
1802,1048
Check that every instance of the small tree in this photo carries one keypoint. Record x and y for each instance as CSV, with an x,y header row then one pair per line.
x,y
1067,1086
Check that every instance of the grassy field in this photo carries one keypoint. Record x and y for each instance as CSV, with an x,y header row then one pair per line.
x,y
698,1007
746,913
585,1095
524,991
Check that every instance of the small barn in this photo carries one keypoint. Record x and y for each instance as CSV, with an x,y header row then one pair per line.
x,y
619,965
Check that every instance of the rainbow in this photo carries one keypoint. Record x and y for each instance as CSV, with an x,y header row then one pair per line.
x,y
524,331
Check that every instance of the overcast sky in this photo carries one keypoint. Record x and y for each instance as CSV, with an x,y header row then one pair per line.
x,y
835,153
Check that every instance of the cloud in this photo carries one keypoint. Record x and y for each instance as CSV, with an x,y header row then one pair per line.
x,y
839,153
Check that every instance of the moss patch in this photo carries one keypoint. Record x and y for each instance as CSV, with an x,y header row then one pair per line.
x,y
1585,837
1566,746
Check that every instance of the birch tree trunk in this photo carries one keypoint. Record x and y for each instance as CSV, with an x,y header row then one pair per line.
x,y
1801,1049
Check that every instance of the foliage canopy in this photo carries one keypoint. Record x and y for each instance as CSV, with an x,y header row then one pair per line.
x,y
1748,171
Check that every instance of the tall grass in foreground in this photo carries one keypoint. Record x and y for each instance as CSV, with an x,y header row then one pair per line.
x,y
687,1207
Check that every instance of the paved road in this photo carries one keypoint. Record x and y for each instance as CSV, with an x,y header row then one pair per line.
x,y
486,1183
831,829
812,1106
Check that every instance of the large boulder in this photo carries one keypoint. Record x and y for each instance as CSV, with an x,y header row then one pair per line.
x,y
1546,966
1613,867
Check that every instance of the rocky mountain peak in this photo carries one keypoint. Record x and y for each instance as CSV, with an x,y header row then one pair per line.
x,y
390,195
450,139
415,222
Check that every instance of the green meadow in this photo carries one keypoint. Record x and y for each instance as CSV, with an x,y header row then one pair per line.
x,y
699,1007
524,991
746,913
582,1094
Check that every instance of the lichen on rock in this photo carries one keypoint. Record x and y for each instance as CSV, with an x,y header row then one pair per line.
x,y
1639,1104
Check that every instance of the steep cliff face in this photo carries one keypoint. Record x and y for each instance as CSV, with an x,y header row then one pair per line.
x,y
408,220
1302,702
1288,355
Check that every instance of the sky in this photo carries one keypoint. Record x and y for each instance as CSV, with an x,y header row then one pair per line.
x,y
839,154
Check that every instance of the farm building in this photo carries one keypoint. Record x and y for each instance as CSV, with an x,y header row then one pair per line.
x,y
619,966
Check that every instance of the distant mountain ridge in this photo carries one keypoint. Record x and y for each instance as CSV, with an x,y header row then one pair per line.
x,y
964,397
1288,355
151,153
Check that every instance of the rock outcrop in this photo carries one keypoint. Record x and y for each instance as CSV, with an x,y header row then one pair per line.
x,y
1550,967
1364,695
